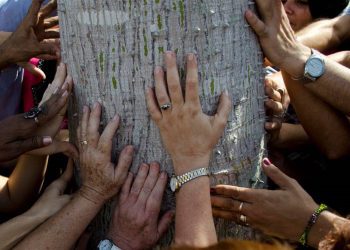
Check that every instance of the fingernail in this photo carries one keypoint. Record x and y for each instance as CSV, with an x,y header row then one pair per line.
x,y
157,69
116,118
267,162
65,85
65,93
47,140
226,92
191,57
164,175
85,109
129,149
95,105
169,54
248,13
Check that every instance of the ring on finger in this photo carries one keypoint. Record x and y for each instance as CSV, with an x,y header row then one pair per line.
x,y
84,142
165,106
243,220
240,207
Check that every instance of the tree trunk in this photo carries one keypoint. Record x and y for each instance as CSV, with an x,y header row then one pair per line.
x,y
111,48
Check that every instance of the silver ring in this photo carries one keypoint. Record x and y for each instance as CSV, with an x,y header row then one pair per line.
x,y
281,91
281,116
36,120
165,106
240,207
84,142
243,220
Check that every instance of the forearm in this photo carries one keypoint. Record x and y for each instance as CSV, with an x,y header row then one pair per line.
x,y
194,224
326,127
25,182
14,230
63,229
291,136
325,40
326,223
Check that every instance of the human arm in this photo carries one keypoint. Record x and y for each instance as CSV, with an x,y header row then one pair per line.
x,y
52,200
19,135
342,57
283,50
32,36
282,213
136,222
101,180
189,136
23,186
327,128
326,34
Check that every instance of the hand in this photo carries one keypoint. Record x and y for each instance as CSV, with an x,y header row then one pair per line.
x,y
283,213
56,147
19,135
61,80
277,37
188,134
29,39
53,199
101,179
135,223
274,109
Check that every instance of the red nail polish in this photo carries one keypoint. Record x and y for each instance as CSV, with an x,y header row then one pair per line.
x,y
267,162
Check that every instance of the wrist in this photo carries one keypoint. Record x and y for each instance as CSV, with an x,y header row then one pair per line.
x,y
294,64
121,242
92,195
183,165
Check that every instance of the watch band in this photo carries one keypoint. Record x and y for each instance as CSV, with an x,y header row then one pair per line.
x,y
107,245
177,181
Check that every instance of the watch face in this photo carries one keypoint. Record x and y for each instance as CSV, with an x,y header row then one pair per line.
x,y
173,184
315,67
105,245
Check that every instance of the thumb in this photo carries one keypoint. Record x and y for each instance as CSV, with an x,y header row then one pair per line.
x,y
276,175
34,70
35,142
68,173
165,222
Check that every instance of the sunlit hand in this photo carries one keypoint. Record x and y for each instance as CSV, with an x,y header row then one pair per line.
x,y
136,223
283,213
53,199
188,134
101,179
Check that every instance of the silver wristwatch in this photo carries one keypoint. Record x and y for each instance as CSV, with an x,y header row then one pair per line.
x,y
315,66
107,245
177,181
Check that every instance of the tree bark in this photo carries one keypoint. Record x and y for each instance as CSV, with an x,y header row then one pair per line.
x,y
111,48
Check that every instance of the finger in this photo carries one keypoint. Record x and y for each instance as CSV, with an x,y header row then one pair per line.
x,y
48,9
50,22
148,186
31,18
50,34
47,49
69,150
68,173
15,149
273,126
34,70
275,108
60,76
225,203
161,89
124,162
106,139
126,188
271,93
192,96
223,112
93,134
84,123
257,25
237,193
277,176
173,80
152,106
165,222
139,181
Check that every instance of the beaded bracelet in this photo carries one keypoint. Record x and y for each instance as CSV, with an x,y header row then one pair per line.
x,y
312,221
